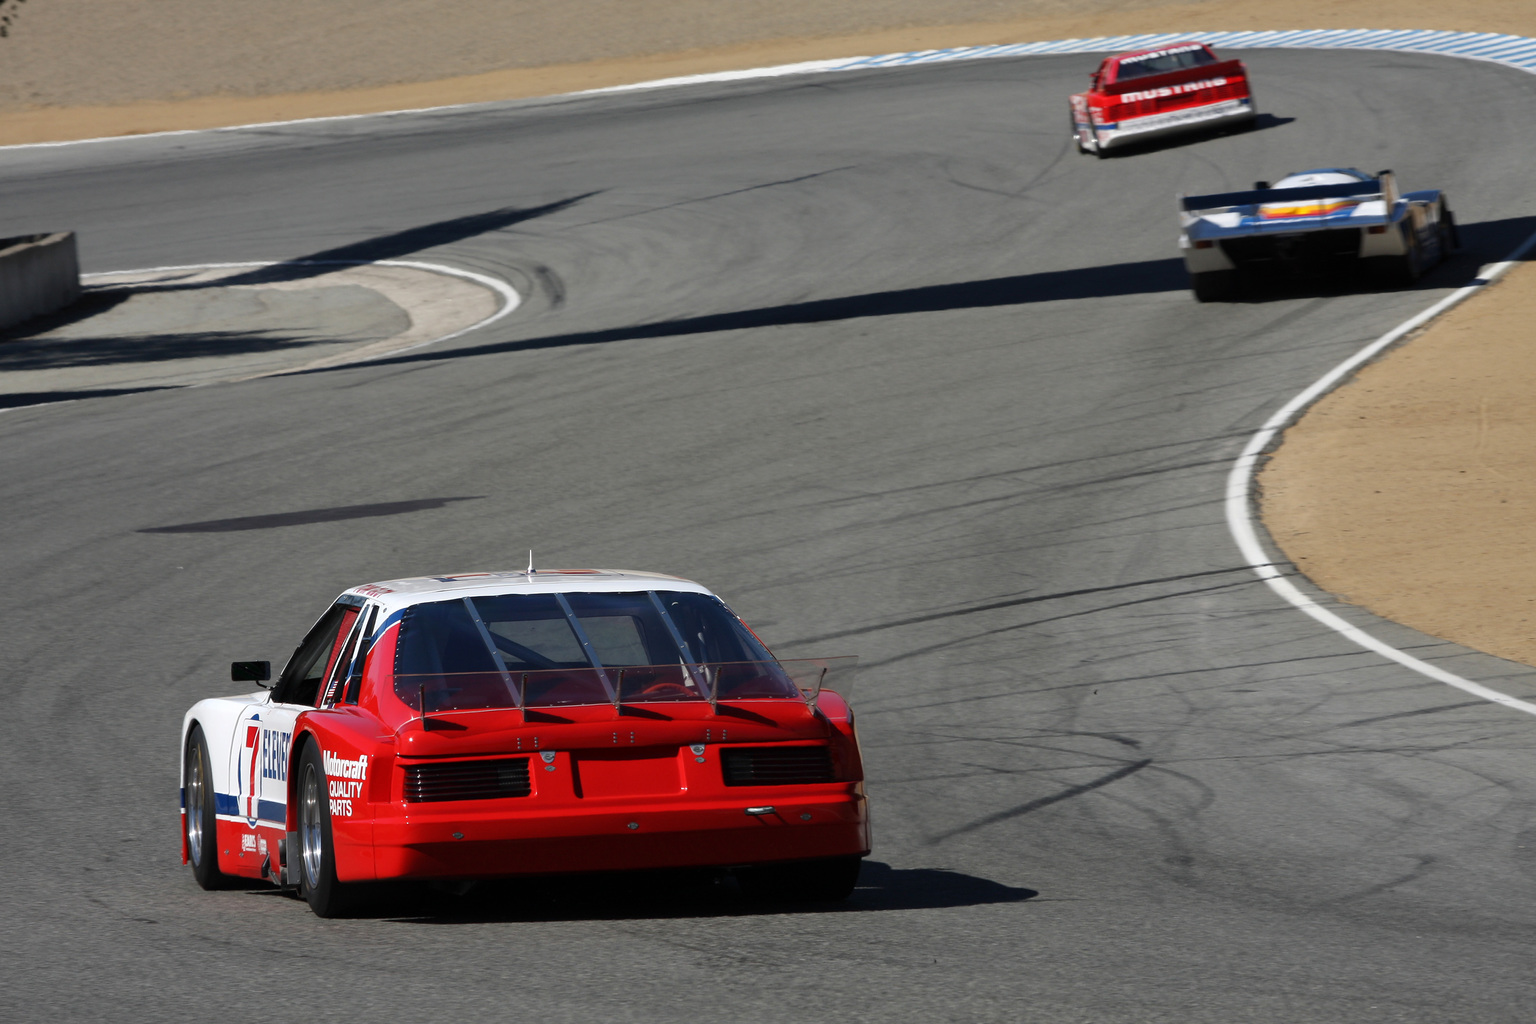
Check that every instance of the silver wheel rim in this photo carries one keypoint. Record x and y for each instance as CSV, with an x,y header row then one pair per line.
x,y
310,825
195,804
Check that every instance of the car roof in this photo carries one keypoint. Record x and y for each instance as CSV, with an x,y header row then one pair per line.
x,y
1183,45
416,589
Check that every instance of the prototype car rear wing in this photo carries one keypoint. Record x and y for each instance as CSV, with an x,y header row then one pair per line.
x,y
1383,187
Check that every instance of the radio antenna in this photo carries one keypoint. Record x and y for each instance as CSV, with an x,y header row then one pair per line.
x,y
529,571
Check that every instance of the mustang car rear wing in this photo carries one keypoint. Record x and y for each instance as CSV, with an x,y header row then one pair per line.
x,y
1383,186
627,686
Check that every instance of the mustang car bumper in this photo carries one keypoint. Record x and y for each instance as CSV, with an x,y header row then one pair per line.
x,y
474,839
1152,126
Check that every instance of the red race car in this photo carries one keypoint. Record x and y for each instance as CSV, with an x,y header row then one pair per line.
x,y
520,723
1147,94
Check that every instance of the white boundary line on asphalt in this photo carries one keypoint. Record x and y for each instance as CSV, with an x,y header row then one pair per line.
x,y
1240,505
510,299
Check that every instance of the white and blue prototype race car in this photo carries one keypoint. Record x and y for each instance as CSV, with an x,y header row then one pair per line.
x,y
1312,223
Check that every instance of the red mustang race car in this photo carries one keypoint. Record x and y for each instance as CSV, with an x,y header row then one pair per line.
x,y
521,723
1146,94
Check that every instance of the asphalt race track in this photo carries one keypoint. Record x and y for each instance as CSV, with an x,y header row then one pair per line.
x,y
880,358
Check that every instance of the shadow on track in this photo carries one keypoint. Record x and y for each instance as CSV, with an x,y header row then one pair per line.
x,y
1482,243
1143,277
650,895
1261,122
306,517
402,243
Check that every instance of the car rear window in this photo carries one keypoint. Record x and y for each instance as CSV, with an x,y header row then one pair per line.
x,y
504,650
1161,61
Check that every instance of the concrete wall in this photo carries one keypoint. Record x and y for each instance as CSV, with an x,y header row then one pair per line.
x,y
38,274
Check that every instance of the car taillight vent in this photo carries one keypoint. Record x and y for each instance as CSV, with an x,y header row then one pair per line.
x,y
775,766
467,780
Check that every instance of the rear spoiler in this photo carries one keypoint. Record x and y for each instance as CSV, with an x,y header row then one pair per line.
x,y
1232,68
1383,185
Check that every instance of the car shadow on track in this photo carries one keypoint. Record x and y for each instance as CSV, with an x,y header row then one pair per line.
x,y
1106,281
1260,122
1482,243
645,895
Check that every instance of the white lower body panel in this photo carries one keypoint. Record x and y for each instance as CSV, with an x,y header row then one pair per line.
x,y
1141,129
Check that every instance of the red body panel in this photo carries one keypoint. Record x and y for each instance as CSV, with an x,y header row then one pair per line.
x,y
608,788
611,769
1113,108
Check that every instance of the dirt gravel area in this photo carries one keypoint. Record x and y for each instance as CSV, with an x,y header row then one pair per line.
x,y
1408,491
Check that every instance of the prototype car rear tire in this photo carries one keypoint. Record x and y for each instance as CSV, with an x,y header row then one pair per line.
x,y
201,821
805,881
1406,269
316,854
1213,285
1450,238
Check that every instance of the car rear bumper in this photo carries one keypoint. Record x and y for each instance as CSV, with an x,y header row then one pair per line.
x,y
461,841
1172,122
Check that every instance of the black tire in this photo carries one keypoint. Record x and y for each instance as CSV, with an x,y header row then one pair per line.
x,y
201,825
1405,270
1450,238
1213,285
803,881
1077,138
315,858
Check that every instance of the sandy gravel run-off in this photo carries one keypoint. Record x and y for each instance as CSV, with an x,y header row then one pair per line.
x,y
1408,491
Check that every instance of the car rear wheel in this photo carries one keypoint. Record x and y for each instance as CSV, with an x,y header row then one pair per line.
x,y
201,814
1406,269
806,881
316,854
1213,285
1450,239
1077,134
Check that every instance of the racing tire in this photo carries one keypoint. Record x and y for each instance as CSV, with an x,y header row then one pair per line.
x,y
316,855
1213,285
1077,137
806,881
201,823
1450,238
1405,270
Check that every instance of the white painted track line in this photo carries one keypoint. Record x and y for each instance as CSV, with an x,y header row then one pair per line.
x,y
1240,505
510,299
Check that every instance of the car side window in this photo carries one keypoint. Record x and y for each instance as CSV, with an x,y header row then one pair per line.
x,y
339,679
315,655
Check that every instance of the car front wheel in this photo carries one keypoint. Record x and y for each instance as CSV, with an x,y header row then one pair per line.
x,y
200,813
